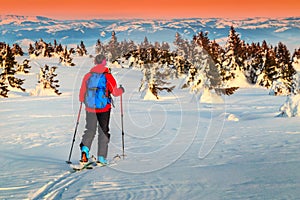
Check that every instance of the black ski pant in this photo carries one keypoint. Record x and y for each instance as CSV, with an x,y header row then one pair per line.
x,y
94,120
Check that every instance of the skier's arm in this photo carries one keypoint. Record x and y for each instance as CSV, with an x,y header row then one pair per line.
x,y
112,86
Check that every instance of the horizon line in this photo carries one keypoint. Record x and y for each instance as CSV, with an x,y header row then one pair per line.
x,y
149,18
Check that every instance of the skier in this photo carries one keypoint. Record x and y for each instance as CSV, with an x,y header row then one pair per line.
x,y
95,115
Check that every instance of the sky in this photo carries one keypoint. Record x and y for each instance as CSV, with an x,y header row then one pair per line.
x,y
154,9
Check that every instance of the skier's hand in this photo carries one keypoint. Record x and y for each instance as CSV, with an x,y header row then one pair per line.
x,y
121,87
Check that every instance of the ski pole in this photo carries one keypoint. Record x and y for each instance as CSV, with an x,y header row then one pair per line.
x,y
121,102
74,136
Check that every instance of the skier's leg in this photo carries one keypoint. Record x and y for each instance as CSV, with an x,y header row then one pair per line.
x,y
90,130
103,133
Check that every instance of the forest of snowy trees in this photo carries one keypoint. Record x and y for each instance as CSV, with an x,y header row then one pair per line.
x,y
46,84
204,63
208,65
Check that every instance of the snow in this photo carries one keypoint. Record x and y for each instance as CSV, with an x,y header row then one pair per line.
x,y
149,96
210,97
232,117
291,107
9,19
176,147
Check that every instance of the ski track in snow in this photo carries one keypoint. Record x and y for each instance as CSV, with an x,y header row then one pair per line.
x,y
176,148
55,188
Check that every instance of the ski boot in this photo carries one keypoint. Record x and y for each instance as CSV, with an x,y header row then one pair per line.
x,y
84,154
102,161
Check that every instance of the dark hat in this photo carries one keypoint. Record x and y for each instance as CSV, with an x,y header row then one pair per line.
x,y
99,58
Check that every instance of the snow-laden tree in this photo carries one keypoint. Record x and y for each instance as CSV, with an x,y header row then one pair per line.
x,y
296,65
268,71
157,66
8,79
47,84
285,82
145,44
65,57
81,50
155,79
182,46
233,59
113,48
24,68
204,74
17,50
31,49
254,62
99,48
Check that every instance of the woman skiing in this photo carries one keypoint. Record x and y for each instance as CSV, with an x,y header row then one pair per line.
x,y
98,106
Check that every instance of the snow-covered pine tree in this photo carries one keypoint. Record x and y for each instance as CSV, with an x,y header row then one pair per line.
x,y
145,44
41,48
112,48
296,60
296,57
8,72
182,66
47,85
254,62
31,50
233,59
155,79
44,49
57,49
79,51
180,45
17,50
24,68
156,68
285,83
131,46
65,57
3,89
269,70
296,65
184,48
83,49
130,54
99,48
204,73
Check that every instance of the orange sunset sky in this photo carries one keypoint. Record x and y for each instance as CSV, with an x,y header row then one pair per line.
x,y
88,9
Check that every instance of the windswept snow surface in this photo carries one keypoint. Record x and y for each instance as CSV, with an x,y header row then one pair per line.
x,y
176,147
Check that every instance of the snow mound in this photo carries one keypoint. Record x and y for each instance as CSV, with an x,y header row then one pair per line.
x,y
239,81
41,91
149,95
232,117
209,97
296,64
291,108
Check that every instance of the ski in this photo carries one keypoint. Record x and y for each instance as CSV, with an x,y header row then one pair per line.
x,y
92,164
80,167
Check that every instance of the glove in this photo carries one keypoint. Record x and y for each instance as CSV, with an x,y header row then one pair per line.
x,y
121,87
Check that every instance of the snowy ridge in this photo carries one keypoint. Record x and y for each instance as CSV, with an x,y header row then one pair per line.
x,y
17,20
17,28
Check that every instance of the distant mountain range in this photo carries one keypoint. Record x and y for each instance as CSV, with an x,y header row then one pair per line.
x,y
26,29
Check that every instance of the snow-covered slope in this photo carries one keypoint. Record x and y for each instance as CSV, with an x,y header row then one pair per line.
x,y
177,148
19,28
